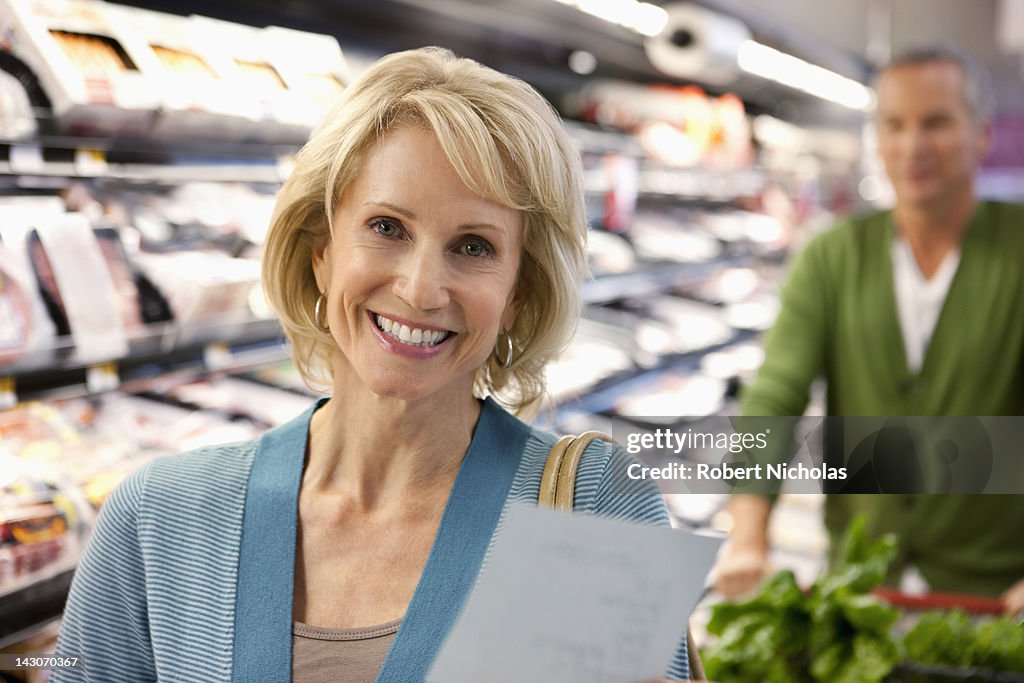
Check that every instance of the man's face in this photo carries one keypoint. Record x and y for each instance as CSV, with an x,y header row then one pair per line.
x,y
928,141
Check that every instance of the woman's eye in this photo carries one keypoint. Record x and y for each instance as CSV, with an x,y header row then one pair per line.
x,y
385,227
476,249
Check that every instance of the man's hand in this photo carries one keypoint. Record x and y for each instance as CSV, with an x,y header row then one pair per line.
x,y
1014,598
744,559
740,569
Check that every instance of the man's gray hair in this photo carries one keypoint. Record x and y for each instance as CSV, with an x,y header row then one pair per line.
x,y
978,91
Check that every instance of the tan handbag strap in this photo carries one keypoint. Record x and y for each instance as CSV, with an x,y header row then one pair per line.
x,y
558,483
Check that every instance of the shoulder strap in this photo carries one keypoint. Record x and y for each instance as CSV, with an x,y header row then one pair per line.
x,y
474,507
558,483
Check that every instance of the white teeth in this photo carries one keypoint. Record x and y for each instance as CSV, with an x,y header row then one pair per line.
x,y
413,336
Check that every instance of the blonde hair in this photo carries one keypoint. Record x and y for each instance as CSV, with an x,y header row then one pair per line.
x,y
505,142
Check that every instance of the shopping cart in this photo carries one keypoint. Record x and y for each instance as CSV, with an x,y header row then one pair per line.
x,y
975,606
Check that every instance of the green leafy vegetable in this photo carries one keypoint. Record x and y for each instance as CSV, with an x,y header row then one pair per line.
x,y
834,632
939,638
837,632
952,639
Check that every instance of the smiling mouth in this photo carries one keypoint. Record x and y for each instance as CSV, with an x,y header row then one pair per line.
x,y
411,336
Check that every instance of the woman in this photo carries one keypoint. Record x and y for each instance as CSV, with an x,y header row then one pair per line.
x,y
426,252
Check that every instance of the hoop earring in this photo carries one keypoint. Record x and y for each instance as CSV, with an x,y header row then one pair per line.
x,y
316,312
507,363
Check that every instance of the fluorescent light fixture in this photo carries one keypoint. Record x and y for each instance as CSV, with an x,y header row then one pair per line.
x,y
753,57
649,19
767,62
642,17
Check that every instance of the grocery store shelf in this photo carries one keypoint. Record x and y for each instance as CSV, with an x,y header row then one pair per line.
x,y
116,147
24,608
141,160
650,280
25,582
601,398
691,183
242,173
161,348
593,139
697,184
30,632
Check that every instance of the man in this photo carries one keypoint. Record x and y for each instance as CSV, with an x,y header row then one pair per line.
x,y
916,311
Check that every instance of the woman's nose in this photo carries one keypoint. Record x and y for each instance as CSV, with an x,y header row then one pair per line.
x,y
422,280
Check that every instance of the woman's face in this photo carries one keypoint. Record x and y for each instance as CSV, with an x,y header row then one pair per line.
x,y
420,273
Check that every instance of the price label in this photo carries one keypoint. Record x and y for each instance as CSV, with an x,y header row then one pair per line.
x,y
90,162
27,158
217,356
8,395
101,377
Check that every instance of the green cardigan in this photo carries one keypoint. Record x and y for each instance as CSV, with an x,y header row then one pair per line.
x,y
839,320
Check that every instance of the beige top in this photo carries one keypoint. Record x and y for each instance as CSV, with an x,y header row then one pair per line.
x,y
353,655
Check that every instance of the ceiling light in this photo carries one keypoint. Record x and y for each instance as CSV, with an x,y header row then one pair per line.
x,y
794,72
642,17
753,57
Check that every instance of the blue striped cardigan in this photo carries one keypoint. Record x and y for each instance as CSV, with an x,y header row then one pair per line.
x,y
157,593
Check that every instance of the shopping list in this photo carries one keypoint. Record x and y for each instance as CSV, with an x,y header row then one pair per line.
x,y
576,599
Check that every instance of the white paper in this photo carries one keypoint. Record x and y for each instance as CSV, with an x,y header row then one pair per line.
x,y
574,598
